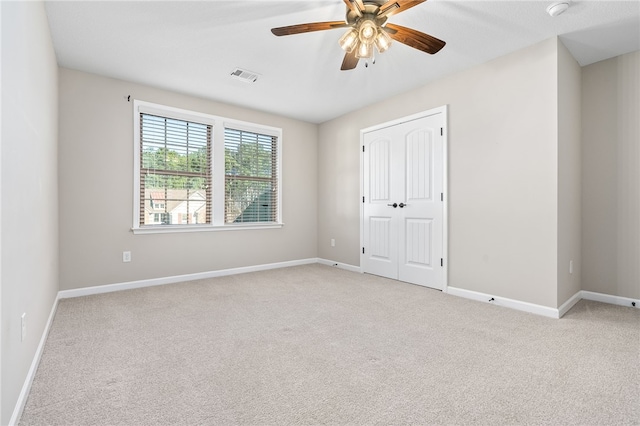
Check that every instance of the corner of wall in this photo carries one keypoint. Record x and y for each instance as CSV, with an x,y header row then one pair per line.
x,y
569,174
611,176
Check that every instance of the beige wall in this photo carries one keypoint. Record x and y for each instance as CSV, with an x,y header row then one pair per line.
x,y
611,176
29,225
502,174
569,179
96,191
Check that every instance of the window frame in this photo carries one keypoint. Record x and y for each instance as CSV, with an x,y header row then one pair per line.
x,y
217,169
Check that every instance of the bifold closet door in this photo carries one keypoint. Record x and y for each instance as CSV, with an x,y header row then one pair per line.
x,y
402,207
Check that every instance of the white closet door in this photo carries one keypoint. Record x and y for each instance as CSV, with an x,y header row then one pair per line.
x,y
403,167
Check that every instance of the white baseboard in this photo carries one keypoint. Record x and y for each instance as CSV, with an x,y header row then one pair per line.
x,y
108,288
545,310
26,387
566,306
503,301
344,266
612,300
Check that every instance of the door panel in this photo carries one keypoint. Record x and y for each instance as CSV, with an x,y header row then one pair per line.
x,y
380,227
418,242
382,251
419,170
379,173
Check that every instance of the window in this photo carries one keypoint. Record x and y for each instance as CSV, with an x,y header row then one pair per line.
x,y
175,167
195,171
251,183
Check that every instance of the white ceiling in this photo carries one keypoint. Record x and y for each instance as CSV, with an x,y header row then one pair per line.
x,y
192,47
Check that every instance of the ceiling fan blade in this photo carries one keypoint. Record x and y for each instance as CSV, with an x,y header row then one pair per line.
x,y
307,28
415,39
356,6
350,61
393,7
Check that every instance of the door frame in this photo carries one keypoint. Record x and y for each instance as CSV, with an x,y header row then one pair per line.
x,y
444,110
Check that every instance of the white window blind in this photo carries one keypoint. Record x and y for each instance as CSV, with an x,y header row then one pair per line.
x,y
175,171
251,176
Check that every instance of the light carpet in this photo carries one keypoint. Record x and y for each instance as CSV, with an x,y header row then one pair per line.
x,y
319,345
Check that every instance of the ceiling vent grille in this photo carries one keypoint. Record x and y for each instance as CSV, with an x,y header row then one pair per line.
x,y
244,75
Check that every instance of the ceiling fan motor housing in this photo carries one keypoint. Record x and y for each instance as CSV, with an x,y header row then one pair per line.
x,y
371,10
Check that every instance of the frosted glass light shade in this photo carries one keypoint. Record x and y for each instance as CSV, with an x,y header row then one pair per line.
x,y
383,41
365,51
367,31
349,40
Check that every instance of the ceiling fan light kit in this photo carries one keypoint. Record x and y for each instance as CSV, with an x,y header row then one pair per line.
x,y
368,27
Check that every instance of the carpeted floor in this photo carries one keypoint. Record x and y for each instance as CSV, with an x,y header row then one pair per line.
x,y
318,345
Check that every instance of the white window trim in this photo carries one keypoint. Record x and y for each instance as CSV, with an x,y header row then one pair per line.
x,y
217,164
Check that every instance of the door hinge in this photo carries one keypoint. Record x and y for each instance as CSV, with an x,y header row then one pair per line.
x,y
441,132
362,148
362,250
441,262
363,199
442,196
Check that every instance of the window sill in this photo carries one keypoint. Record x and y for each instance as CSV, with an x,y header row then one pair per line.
x,y
171,229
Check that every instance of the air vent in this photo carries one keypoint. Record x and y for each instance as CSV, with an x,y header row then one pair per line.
x,y
244,75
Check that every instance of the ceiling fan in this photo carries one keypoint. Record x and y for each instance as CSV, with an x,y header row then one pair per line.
x,y
368,26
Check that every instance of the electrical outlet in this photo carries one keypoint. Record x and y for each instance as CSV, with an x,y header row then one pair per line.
x,y
126,256
23,326
571,266
333,242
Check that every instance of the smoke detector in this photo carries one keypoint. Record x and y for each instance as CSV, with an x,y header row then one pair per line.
x,y
244,75
557,8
